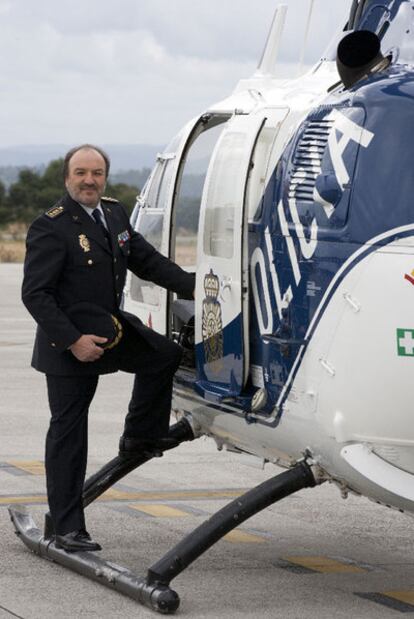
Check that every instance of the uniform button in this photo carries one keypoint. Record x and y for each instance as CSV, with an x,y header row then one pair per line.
x,y
114,259
90,261
116,276
53,344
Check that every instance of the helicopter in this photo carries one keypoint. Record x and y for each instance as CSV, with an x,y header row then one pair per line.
x,y
289,201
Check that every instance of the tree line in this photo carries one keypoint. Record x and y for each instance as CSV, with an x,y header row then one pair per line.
x,y
33,193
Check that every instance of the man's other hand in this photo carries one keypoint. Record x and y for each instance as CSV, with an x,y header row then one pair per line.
x,y
86,349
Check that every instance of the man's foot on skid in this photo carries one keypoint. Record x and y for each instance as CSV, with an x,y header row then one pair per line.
x,y
148,447
76,541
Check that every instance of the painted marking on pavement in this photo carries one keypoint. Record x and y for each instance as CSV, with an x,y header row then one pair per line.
x,y
324,565
145,496
403,601
403,596
292,567
11,470
32,499
34,467
162,510
158,510
181,495
243,537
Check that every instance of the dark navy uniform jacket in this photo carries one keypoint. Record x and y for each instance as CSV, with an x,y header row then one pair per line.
x,y
68,260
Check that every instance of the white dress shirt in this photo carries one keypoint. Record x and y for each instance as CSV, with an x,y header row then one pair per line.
x,y
89,210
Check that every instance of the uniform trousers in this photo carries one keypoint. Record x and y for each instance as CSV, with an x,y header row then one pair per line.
x,y
148,416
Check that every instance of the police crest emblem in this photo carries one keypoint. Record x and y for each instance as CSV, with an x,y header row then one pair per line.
x,y
84,242
212,324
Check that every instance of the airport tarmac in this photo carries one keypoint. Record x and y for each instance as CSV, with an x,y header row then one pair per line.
x,y
312,555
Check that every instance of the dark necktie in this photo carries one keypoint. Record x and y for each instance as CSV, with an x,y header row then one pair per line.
x,y
97,215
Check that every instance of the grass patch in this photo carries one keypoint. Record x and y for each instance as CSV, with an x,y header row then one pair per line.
x,y
12,251
12,242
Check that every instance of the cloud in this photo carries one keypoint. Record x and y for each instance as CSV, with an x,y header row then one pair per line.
x,y
128,71
218,28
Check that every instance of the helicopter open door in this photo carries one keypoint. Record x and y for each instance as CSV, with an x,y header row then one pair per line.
x,y
221,320
152,218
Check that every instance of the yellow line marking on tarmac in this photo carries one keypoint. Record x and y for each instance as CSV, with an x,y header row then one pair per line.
x,y
119,495
401,596
7,500
159,510
325,565
243,537
35,467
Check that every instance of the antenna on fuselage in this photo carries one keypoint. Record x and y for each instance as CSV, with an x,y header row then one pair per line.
x,y
305,41
267,62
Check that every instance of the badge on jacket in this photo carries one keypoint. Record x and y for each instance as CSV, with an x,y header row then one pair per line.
x,y
84,242
123,237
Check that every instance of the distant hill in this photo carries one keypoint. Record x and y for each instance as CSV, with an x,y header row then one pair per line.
x,y
9,174
123,156
136,178
130,164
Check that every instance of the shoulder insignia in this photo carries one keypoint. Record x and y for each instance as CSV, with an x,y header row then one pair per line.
x,y
55,211
107,199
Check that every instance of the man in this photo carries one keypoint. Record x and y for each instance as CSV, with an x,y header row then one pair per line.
x,y
78,253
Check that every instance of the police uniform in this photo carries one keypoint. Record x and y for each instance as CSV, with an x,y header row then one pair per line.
x,y
71,260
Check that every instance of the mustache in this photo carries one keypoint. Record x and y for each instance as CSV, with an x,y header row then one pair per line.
x,y
88,186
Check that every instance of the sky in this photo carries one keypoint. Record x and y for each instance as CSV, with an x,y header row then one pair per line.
x,y
132,71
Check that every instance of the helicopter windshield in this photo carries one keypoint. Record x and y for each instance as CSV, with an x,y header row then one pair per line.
x,y
398,37
396,34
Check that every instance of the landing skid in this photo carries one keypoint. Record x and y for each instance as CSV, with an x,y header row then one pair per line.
x,y
88,564
154,591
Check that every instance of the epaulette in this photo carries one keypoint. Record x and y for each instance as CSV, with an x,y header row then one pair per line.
x,y
55,211
107,199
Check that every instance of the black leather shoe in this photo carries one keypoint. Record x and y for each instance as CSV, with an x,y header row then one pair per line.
x,y
76,541
148,447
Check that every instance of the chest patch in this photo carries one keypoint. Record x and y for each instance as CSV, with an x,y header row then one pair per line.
x,y
84,243
123,237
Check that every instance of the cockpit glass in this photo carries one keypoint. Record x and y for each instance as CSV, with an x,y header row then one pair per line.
x,y
175,142
307,32
399,37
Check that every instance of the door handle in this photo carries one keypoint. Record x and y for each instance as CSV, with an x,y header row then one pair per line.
x,y
225,283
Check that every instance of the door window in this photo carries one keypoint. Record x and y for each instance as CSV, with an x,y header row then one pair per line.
x,y
150,225
221,197
189,190
142,290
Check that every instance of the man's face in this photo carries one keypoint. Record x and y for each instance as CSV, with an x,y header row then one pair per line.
x,y
86,177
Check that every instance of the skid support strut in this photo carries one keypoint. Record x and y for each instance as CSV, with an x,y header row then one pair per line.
x,y
227,519
117,468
